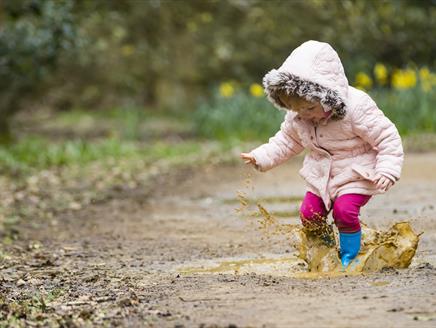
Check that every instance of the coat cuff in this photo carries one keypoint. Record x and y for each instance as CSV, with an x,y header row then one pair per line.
x,y
259,156
389,176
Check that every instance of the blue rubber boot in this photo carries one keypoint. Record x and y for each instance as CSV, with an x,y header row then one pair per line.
x,y
350,246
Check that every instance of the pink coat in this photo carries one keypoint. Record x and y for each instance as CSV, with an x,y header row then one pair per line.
x,y
346,150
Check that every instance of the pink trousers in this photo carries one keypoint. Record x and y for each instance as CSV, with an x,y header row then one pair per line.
x,y
346,210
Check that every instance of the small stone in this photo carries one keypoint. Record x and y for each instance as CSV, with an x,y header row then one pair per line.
x,y
396,309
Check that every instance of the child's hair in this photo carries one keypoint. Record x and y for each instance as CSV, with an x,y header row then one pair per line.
x,y
281,93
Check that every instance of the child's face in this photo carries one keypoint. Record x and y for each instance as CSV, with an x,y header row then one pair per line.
x,y
311,111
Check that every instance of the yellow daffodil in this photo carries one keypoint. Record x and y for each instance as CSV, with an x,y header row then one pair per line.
x,y
381,73
363,81
404,79
226,89
256,90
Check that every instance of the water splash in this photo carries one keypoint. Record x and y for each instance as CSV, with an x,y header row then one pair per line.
x,y
317,244
393,248
317,247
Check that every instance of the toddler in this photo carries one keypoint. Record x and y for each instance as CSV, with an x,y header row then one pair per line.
x,y
354,150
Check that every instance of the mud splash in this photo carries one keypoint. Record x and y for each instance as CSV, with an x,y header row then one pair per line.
x,y
393,248
318,246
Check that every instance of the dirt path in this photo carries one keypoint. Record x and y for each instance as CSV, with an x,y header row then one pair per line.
x,y
119,263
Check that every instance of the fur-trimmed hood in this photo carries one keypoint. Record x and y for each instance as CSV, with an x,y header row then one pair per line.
x,y
312,71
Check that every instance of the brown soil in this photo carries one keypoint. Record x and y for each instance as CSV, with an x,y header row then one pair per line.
x,y
124,262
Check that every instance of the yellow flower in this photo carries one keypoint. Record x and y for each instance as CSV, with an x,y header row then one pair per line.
x,y
256,90
363,81
381,73
226,89
404,79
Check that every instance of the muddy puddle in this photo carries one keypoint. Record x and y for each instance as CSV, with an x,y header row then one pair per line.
x,y
268,264
317,251
393,248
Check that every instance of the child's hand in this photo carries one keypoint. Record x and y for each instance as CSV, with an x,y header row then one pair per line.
x,y
248,159
383,183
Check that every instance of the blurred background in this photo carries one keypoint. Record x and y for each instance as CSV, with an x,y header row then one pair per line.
x,y
97,96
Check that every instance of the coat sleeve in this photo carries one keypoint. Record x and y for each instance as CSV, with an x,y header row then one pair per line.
x,y
285,144
374,127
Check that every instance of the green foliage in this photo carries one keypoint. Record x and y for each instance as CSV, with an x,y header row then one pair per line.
x,y
169,52
41,153
33,153
411,110
240,117
102,54
244,117
34,35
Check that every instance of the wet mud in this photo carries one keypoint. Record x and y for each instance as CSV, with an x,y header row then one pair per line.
x,y
380,250
187,256
316,246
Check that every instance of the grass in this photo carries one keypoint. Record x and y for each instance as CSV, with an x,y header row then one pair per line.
x,y
35,153
128,132
411,110
244,117
48,140
241,117
38,153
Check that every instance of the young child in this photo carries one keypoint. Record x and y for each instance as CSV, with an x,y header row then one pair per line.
x,y
354,150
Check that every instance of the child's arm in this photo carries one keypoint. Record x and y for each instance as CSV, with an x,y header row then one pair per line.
x,y
374,127
285,144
